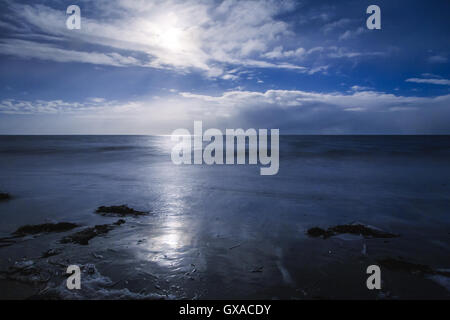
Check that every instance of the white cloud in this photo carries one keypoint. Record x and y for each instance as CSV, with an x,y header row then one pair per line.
x,y
359,100
229,76
313,112
437,59
360,88
237,100
58,106
97,100
349,34
431,75
443,82
279,53
335,25
30,49
321,69
341,52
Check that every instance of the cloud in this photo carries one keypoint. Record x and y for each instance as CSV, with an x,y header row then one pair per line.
x,y
437,59
90,106
293,111
230,101
443,82
12,106
360,88
229,76
342,52
363,100
431,75
349,34
183,36
279,53
30,49
336,25
321,69
178,35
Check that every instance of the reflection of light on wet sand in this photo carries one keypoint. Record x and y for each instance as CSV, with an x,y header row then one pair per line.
x,y
168,244
169,238
172,237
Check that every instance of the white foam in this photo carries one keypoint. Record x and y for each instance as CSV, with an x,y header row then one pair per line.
x,y
441,280
95,286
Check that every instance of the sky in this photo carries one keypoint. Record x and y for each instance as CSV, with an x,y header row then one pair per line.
x,y
150,67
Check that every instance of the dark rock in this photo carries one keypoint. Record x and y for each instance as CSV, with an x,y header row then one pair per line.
x,y
45,228
4,196
121,211
119,222
357,229
82,237
362,230
26,272
401,265
318,232
257,269
409,267
8,241
51,253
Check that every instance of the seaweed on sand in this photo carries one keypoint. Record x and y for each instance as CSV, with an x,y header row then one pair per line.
x,y
45,228
319,232
26,272
409,267
82,237
8,241
51,253
357,229
4,196
122,211
36,229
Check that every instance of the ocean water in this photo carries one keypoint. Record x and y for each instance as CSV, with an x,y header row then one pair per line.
x,y
225,231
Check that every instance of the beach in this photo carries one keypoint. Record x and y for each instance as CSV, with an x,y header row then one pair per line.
x,y
225,231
